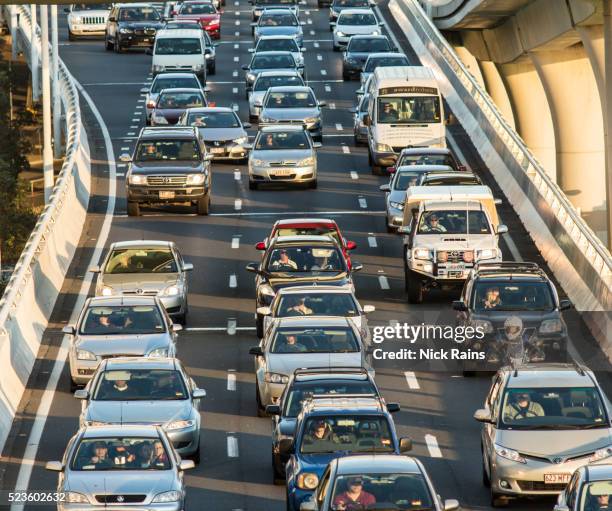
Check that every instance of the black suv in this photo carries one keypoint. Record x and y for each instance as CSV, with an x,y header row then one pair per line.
x,y
357,51
132,26
512,303
170,165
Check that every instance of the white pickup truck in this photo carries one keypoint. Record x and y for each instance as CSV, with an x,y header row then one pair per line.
x,y
447,230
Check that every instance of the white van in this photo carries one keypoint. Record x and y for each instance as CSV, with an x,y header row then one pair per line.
x,y
405,110
180,51
448,229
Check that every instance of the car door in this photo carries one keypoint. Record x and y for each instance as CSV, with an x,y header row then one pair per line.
x,y
261,362
489,430
323,489
111,26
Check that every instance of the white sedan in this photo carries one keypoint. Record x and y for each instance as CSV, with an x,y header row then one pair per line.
x,y
354,22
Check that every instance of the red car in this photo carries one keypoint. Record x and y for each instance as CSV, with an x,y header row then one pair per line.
x,y
310,226
204,13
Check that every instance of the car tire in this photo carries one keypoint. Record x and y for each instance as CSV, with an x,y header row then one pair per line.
x,y
252,185
253,118
73,386
117,47
133,208
71,36
313,184
261,412
336,48
278,478
486,480
415,289
259,329
203,205
108,46
213,69
498,500
389,228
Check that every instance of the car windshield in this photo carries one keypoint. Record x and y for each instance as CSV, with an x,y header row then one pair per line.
x,y
403,180
426,159
198,9
182,25
276,2
454,222
141,260
127,320
140,385
514,295
181,150
596,496
278,20
391,492
278,141
214,120
180,100
315,340
553,408
372,64
139,14
272,62
459,180
346,433
178,46
302,391
277,45
306,259
263,83
316,304
123,453
91,7
409,110
311,230
365,18
291,100
174,83
351,3
368,45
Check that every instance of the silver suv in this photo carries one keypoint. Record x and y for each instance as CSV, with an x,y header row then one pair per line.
x,y
590,488
540,423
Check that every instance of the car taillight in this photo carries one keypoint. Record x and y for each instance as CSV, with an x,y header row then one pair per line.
x,y
468,256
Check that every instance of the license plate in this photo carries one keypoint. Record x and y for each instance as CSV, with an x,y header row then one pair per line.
x,y
166,195
455,274
286,172
557,478
455,267
217,150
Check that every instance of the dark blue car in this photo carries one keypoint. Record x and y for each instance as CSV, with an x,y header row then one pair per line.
x,y
330,427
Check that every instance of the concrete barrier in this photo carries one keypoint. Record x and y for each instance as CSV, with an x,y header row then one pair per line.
x,y
30,296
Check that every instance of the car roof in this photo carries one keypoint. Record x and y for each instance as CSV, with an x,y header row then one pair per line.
x,y
315,290
281,127
328,404
178,132
305,220
114,364
142,244
507,270
272,53
356,10
138,4
181,32
450,174
599,472
278,10
438,205
118,301
278,72
306,238
549,375
291,88
120,430
425,168
182,89
175,75
385,54
312,322
376,464
426,150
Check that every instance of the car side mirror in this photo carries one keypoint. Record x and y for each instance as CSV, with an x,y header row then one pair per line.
x,y
303,23
285,446
332,23
252,267
381,23
246,125
187,267
384,188
176,327
254,24
198,394
302,50
322,103
564,305
256,351
208,157
405,444
186,465
462,168
125,157
483,415
273,410
497,202
81,394
261,245
459,305
145,90
112,18
308,504
356,266
247,146
317,145
351,245
451,505
393,407
245,67
54,466
368,309
366,120
502,229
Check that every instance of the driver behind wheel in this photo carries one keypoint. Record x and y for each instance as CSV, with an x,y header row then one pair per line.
x,y
523,408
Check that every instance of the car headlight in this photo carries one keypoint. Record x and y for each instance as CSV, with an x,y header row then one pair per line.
x,y
85,355
307,481
509,454
212,23
276,378
267,290
197,67
158,352
422,253
340,34
172,290
75,19
259,163
159,119
482,324
195,179
241,140
397,205
124,30
306,162
551,326
167,496
486,253
74,497
182,424
384,148
601,454
136,179
107,291
251,77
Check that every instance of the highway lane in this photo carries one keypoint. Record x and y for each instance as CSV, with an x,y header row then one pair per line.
x,y
235,472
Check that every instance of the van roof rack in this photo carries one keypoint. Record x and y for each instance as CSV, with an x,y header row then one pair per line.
x,y
508,267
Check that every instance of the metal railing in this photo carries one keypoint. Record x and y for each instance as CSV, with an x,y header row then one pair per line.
x,y
573,236
72,119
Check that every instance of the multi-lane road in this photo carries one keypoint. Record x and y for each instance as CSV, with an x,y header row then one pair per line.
x,y
235,471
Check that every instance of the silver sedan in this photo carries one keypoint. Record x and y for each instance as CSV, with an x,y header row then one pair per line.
x,y
283,154
118,326
130,390
264,81
133,467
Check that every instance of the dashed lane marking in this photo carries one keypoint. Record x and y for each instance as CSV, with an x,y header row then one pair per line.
x,y
319,57
432,446
327,88
383,281
232,446
345,149
354,175
290,213
363,203
237,175
238,204
231,326
372,241
411,380
233,281
323,72
236,242
231,380
338,126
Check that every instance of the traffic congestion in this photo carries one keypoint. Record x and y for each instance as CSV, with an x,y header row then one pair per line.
x,y
322,387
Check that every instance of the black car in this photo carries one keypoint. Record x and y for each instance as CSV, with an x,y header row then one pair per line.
x,y
516,309
299,261
357,51
305,383
336,6
169,166
426,156
132,26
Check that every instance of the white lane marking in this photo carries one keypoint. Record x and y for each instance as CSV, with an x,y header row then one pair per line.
x,y
121,165
323,72
393,322
319,57
231,380
331,106
237,22
139,107
136,119
237,175
307,13
120,174
235,107
383,281
363,203
140,101
235,74
44,407
134,126
354,175
231,326
237,13
236,4
276,213
316,45
131,134
112,83
309,21
327,88
432,446
372,241
237,33
236,59
338,126
411,380
232,446
233,281
125,148
235,90
236,242
238,204
345,149
236,46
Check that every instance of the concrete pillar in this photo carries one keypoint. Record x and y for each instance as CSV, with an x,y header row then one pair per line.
x,y
497,90
569,83
532,116
13,10
470,62
46,101
608,110
34,56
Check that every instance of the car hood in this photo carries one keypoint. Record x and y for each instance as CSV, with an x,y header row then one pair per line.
x,y
282,154
282,30
146,482
289,114
211,134
146,281
455,241
138,412
331,279
166,167
552,444
131,345
287,363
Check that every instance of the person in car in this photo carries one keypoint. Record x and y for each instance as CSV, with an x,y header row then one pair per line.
x,y
599,503
389,114
354,497
120,386
100,456
492,298
160,458
292,346
300,308
432,224
523,408
320,431
144,455
284,263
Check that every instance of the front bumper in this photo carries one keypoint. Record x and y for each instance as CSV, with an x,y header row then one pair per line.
x,y
214,32
87,30
151,195
169,506
282,174
351,70
341,41
136,40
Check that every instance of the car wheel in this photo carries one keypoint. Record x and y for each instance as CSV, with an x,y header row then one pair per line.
x,y
259,329
117,47
376,170
133,208
261,412
336,47
415,289
313,184
252,185
486,480
252,118
213,69
278,478
108,45
203,205
498,500
71,36
389,228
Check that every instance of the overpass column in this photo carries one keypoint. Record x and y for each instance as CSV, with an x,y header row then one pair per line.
x,y
608,113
